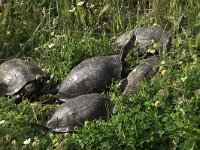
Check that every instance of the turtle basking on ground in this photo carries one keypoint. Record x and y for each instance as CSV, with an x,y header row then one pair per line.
x,y
144,70
20,78
94,74
147,37
77,110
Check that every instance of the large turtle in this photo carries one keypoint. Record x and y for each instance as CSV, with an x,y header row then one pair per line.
x,y
19,78
145,70
77,110
146,37
94,74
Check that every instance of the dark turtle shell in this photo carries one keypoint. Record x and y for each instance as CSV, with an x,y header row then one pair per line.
x,y
91,76
78,110
94,74
15,74
144,37
144,70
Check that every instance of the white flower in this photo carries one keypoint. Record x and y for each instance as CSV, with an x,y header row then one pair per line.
x,y
91,6
163,62
14,142
55,21
180,62
153,51
80,3
27,141
155,24
152,41
134,70
2,122
35,138
37,48
150,50
51,45
157,104
155,45
183,79
194,56
72,10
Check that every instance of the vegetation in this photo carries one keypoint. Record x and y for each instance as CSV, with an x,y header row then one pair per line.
x,y
57,35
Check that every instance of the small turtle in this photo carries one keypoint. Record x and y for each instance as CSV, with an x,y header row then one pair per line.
x,y
144,70
94,74
19,78
78,110
146,37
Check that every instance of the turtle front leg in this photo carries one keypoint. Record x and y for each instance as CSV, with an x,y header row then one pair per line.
x,y
122,84
16,98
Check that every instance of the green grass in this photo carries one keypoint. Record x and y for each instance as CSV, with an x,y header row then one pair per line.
x,y
163,115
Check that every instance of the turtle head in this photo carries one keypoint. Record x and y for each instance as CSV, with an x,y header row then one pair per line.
x,y
30,87
167,43
127,46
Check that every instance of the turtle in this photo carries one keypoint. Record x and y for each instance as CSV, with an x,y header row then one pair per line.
x,y
93,75
77,110
146,37
145,70
19,78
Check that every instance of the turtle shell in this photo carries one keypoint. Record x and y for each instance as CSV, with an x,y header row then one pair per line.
x,y
144,36
15,74
91,76
143,70
77,110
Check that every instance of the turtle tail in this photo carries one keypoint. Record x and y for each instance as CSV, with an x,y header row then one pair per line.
x,y
126,47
